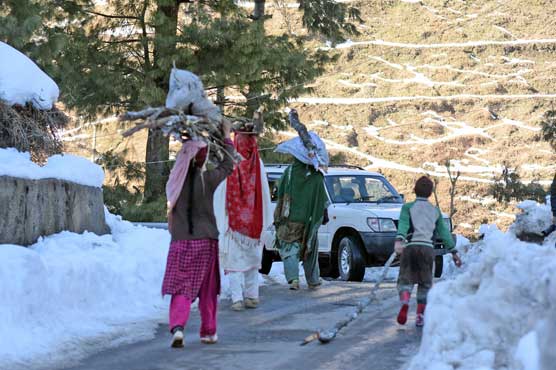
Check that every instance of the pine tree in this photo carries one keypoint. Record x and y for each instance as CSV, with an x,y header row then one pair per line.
x,y
117,56
328,18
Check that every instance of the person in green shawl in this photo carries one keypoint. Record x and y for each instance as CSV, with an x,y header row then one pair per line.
x,y
301,209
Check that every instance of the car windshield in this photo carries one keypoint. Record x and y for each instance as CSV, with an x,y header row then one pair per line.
x,y
361,189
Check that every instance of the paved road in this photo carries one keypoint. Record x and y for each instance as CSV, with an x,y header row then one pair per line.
x,y
268,338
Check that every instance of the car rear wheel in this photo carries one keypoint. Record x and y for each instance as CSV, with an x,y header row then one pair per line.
x,y
266,262
351,262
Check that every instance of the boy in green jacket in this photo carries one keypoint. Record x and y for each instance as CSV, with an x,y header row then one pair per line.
x,y
419,221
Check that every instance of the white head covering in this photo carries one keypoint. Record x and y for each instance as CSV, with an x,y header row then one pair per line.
x,y
318,158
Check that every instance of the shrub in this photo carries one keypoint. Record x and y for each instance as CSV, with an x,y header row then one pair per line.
x,y
508,186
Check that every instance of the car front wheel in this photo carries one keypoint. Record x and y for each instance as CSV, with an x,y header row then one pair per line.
x,y
438,266
351,261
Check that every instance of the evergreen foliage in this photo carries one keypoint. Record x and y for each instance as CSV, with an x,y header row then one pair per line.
x,y
330,18
548,128
508,187
112,56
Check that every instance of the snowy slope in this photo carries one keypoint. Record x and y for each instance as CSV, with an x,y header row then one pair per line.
x,y
22,81
487,317
65,167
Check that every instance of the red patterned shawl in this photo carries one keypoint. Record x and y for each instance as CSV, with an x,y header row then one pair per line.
x,y
244,198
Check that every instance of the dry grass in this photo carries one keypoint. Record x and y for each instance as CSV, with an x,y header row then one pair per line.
x,y
31,130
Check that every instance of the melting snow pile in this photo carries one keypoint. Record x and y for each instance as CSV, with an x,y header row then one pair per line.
x,y
64,167
22,81
494,314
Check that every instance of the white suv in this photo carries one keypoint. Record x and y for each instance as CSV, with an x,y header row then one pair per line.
x,y
364,211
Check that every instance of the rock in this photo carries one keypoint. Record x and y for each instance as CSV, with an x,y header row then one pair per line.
x,y
33,208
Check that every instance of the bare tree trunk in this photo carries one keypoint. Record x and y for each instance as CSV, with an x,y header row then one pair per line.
x,y
258,12
157,168
220,98
157,143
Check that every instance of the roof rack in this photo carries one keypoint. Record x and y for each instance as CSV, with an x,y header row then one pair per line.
x,y
346,166
330,166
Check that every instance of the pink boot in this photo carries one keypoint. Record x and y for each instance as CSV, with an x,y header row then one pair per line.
x,y
420,322
402,315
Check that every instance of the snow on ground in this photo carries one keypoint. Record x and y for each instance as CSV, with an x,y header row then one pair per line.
x,y
65,167
379,163
69,294
468,44
372,274
81,293
492,314
22,81
388,99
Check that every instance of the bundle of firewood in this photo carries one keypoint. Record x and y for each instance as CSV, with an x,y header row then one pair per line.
x,y
190,115
181,127
253,126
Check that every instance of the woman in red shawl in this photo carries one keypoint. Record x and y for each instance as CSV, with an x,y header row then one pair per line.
x,y
242,208
192,269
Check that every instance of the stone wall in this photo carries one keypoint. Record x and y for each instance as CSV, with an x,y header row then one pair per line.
x,y
33,208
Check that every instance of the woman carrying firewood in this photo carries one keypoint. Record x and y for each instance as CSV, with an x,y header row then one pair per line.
x,y
243,210
192,268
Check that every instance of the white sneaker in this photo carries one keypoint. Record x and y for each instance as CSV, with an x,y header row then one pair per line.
x,y
209,339
177,339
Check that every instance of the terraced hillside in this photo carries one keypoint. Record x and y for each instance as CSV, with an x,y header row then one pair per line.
x,y
430,81
423,83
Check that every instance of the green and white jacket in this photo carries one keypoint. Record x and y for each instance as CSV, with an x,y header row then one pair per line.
x,y
419,220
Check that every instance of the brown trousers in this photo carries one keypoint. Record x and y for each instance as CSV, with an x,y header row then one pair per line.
x,y
416,268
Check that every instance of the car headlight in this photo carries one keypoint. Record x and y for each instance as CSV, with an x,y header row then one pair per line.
x,y
381,224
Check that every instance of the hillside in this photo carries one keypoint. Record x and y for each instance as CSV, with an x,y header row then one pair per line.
x,y
425,82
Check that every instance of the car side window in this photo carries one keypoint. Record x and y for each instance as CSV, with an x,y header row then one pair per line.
x,y
273,181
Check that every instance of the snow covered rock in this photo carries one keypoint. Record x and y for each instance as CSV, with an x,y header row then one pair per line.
x,y
67,167
65,194
484,316
22,81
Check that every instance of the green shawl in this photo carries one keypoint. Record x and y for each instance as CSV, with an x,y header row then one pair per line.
x,y
302,200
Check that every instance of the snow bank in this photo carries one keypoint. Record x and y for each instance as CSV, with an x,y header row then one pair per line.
x,y
534,218
489,316
64,167
70,293
22,81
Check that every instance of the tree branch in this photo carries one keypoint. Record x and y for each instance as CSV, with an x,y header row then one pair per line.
x,y
111,16
128,41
